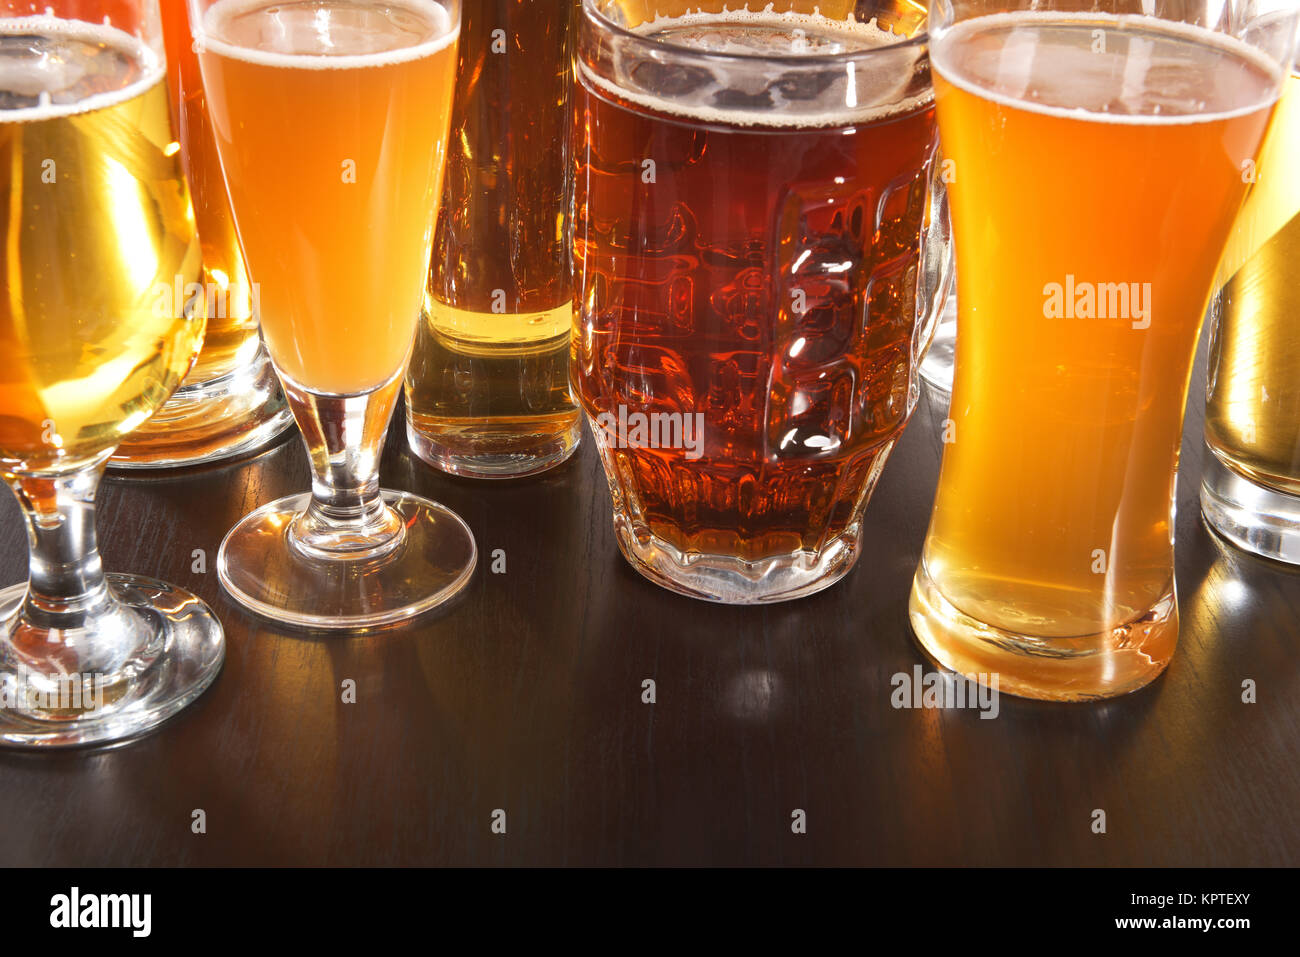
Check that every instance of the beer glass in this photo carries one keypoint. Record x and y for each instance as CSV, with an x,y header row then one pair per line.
x,y
1099,161
487,391
754,235
230,403
1250,490
96,216
330,118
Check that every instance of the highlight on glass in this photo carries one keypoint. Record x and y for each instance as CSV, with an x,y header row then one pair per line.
x,y
96,219
230,403
330,119
1250,490
487,391
759,259
1100,160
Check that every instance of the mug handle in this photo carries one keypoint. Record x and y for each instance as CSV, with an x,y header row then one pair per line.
x,y
936,280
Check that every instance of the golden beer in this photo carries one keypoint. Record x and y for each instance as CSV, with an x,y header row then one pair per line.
x,y
1090,209
1250,489
97,223
488,386
1252,419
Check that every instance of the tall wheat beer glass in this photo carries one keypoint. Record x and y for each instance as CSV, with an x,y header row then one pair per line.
x,y
230,403
96,217
756,268
487,392
1250,492
331,117
1099,162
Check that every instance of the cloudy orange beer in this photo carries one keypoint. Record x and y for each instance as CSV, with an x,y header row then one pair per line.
x,y
1095,185
332,142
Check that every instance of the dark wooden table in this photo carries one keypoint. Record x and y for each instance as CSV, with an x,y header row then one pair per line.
x,y
526,696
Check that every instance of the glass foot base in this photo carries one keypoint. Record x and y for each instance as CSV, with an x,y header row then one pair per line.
x,y
192,650
732,581
1078,668
204,422
1256,519
511,451
268,574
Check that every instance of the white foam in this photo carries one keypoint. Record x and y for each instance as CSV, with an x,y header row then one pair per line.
x,y
146,60
868,33
225,10
873,45
943,45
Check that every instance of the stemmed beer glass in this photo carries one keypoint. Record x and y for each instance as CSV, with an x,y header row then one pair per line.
x,y
331,121
97,233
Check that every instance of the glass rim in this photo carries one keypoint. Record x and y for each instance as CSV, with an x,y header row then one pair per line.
x,y
921,39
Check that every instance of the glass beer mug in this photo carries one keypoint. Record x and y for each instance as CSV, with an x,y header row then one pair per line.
x,y
760,254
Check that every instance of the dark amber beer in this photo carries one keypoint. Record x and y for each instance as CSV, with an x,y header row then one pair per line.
x,y
487,391
751,303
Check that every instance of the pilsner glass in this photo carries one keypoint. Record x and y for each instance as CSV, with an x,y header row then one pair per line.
x,y
487,391
331,121
96,217
1250,491
1100,159
757,275
230,404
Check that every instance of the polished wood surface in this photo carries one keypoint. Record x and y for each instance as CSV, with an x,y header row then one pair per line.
x,y
526,696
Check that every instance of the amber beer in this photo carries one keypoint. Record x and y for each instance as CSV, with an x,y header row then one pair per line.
x,y
748,257
1089,213
85,357
325,149
488,386
230,403
231,339
1251,489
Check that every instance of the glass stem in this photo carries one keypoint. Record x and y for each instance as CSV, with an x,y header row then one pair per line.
x,y
347,517
69,622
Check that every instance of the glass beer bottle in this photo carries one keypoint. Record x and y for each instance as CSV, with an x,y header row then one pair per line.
x,y
487,392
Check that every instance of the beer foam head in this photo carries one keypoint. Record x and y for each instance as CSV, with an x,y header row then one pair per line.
x,y
326,34
51,67
765,69
1142,71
